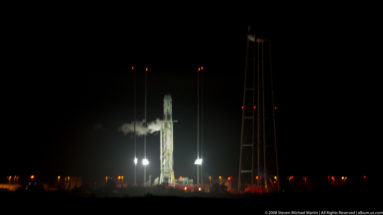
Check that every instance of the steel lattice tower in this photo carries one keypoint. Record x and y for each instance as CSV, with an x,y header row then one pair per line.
x,y
166,146
258,164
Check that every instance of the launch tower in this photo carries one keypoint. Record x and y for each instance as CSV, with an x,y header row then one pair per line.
x,y
166,132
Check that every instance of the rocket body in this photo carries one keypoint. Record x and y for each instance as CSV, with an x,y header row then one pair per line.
x,y
166,136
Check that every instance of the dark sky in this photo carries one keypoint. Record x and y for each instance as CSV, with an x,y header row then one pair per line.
x,y
66,88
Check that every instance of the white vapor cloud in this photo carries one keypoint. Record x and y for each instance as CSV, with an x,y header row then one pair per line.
x,y
141,130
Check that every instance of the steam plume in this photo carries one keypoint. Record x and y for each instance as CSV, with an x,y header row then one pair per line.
x,y
151,127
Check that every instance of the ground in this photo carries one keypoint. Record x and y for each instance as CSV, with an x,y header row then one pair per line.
x,y
70,202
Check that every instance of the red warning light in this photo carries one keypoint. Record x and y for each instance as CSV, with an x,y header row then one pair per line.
x,y
328,177
243,107
256,177
332,178
132,67
146,69
254,107
229,178
201,68
305,178
364,177
275,108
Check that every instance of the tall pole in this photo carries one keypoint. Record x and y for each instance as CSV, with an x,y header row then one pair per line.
x,y
202,133
239,185
198,71
263,121
134,125
146,80
258,119
275,130
254,70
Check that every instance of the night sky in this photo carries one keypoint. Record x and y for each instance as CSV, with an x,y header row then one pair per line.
x,y
66,89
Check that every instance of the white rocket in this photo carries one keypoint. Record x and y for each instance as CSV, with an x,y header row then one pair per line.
x,y
166,155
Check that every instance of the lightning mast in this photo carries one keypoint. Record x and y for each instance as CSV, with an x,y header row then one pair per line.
x,y
145,123
258,163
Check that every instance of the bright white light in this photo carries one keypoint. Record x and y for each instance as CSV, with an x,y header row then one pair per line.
x,y
198,161
135,161
185,188
145,162
199,189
